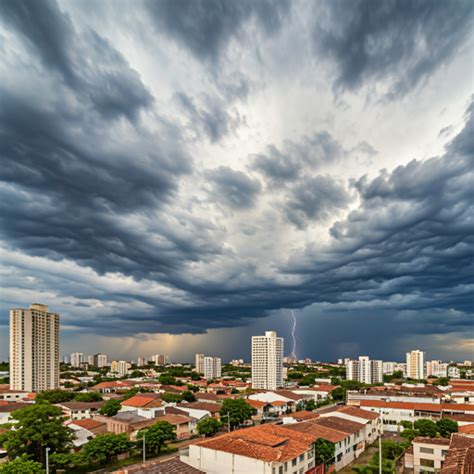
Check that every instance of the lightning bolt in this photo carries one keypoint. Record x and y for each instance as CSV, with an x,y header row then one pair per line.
x,y
293,334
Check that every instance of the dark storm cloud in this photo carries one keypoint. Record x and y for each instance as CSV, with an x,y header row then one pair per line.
x,y
233,188
401,42
86,62
205,27
315,199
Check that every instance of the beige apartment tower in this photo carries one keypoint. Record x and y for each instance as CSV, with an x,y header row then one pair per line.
x,y
34,349
267,361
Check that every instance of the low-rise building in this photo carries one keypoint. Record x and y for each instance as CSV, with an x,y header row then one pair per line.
x,y
9,395
79,410
264,449
460,456
428,454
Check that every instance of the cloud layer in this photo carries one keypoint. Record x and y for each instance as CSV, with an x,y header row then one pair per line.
x,y
207,164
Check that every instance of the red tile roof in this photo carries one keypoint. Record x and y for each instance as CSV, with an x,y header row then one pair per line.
x,y
264,442
340,424
437,441
211,407
87,423
140,401
467,429
302,415
359,413
318,431
434,407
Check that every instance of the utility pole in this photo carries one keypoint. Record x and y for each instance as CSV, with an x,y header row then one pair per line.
x,y
144,447
47,460
228,421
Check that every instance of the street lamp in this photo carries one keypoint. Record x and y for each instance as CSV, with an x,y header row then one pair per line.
x,y
47,460
144,447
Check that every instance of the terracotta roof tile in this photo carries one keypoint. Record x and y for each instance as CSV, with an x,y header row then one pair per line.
x,y
87,423
340,424
318,431
264,442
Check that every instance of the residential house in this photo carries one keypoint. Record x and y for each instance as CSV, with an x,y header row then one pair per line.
x,y
79,410
428,454
263,449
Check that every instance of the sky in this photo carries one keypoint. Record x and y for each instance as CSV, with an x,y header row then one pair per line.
x,y
178,175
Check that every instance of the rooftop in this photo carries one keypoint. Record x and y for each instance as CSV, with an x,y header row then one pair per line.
x,y
437,441
264,442
318,431
339,424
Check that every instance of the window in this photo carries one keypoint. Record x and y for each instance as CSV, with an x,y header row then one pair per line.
x,y
302,458
427,462
293,462
280,470
426,450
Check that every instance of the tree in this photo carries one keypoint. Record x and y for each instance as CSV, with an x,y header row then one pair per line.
x,y
166,379
208,426
188,396
195,376
338,393
39,426
22,465
169,397
110,407
426,428
446,427
391,450
88,397
137,373
55,396
310,405
238,411
157,435
64,461
104,447
324,451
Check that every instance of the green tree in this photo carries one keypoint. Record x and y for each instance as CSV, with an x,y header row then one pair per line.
x,y
446,427
65,461
22,465
169,397
88,397
238,411
310,405
208,426
166,379
157,435
338,393
137,373
324,451
188,396
391,450
195,376
55,396
39,426
426,428
104,447
110,407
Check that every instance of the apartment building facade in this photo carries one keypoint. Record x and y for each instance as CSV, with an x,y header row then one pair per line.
x,y
365,370
267,361
34,349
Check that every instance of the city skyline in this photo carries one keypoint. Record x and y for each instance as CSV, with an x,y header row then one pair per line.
x,y
176,179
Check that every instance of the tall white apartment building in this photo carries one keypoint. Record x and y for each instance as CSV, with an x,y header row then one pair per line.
x,y
199,362
416,364
120,367
436,368
90,359
365,370
159,359
100,360
34,349
389,367
77,358
267,361
141,362
212,368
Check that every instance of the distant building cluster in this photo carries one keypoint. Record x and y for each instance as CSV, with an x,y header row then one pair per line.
x,y
210,367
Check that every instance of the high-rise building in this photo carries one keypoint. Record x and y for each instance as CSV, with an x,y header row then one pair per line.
x,y
416,365
141,361
90,359
65,359
365,370
122,367
212,368
436,368
77,358
267,361
199,362
159,359
100,360
34,349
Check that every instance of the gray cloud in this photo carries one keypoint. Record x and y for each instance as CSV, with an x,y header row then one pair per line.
x,y
86,62
315,199
399,42
233,188
205,27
